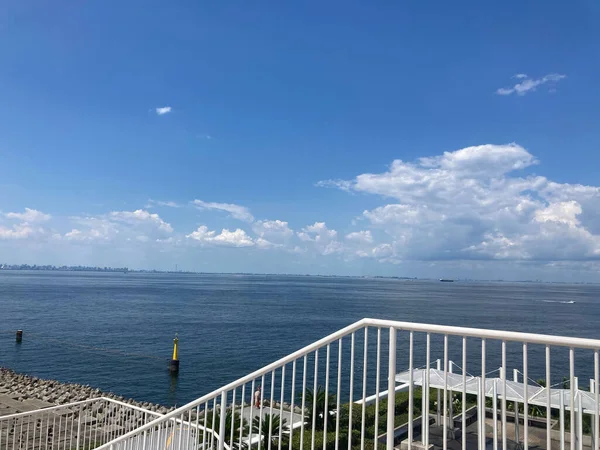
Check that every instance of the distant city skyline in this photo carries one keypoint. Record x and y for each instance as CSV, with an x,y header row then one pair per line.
x,y
455,141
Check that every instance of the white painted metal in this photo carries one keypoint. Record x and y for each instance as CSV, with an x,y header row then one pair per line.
x,y
426,389
410,390
495,416
391,384
464,394
445,411
482,396
597,401
326,411
504,368
339,394
364,390
352,389
525,400
548,401
572,393
314,414
562,422
377,379
291,406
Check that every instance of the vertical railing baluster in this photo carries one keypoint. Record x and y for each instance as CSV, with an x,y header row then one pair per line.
x,y
293,393
325,410
572,394
222,415
351,391
339,394
213,424
483,397
364,391
303,403
377,382
270,436
579,422
495,414
410,390
242,401
232,419
597,401
548,401
525,399
504,437
463,437
204,436
281,408
251,413
561,418
391,400
427,388
445,411
314,406
262,397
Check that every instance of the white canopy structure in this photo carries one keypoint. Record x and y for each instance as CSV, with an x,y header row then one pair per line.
x,y
515,391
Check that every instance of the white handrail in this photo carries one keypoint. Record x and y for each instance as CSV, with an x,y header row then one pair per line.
x,y
80,402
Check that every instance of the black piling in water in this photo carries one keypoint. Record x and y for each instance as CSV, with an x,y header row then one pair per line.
x,y
19,336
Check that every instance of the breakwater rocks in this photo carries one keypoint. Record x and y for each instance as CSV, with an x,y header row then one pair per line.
x,y
24,388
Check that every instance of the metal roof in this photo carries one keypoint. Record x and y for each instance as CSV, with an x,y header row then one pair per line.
x,y
515,391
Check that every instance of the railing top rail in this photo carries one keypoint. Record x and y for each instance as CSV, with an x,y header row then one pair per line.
x,y
127,405
531,338
50,408
399,325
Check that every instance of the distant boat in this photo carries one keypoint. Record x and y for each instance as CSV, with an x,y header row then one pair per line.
x,y
446,280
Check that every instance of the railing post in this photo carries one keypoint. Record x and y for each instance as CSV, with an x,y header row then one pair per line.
x,y
78,427
391,407
222,420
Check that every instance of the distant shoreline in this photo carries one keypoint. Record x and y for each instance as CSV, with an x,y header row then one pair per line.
x,y
50,268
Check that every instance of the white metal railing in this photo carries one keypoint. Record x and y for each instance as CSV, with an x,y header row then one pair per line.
x,y
80,425
312,393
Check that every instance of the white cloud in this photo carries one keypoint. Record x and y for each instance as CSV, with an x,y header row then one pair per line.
x,y
140,216
274,230
163,110
360,237
237,238
19,231
468,204
530,84
29,216
236,211
169,204
323,240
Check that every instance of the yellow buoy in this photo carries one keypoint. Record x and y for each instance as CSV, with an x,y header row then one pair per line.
x,y
174,366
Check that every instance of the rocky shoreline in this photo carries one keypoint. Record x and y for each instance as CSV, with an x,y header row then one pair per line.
x,y
23,388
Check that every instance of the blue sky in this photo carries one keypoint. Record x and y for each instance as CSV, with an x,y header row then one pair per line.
x,y
282,120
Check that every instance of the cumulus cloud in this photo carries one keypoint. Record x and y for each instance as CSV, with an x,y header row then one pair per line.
x,y
360,236
236,211
236,238
19,231
274,230
141,216
161,111
322,239
471,204
530,84
29,216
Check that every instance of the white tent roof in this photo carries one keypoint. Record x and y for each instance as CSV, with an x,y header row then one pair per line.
x,y
515,391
